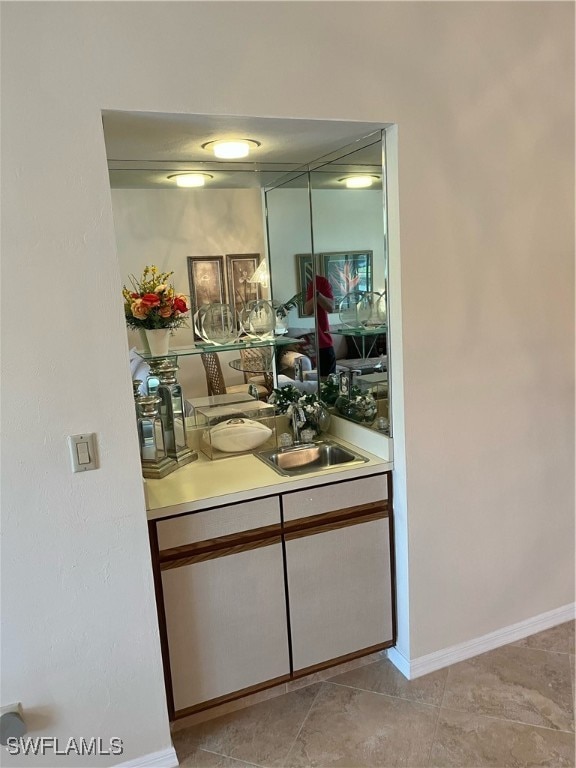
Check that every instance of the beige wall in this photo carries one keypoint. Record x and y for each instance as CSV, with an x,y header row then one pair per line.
x,y
483,98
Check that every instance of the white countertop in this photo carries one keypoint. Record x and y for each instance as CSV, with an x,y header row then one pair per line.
x,y
204,483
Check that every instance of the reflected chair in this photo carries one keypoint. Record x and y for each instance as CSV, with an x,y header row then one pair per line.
x,y
215,378
257,367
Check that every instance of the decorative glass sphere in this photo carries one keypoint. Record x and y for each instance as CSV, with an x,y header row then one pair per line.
x,y
262,320
354,309
360,309
376,302
218,323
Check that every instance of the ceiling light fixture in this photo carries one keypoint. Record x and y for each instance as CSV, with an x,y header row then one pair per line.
x,y
359,181
231,149
190,179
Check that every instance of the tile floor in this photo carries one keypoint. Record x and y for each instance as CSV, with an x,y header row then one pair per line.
x,y
513,706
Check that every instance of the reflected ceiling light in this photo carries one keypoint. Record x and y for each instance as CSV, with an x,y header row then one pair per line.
x,y
231,149
190,179
359,181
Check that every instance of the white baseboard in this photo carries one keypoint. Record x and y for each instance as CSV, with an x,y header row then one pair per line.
x,y
423,665
165,758
400,662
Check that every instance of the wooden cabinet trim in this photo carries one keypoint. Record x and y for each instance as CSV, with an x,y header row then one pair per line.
x,y
161,611
270,534
220,547
340,518
341,659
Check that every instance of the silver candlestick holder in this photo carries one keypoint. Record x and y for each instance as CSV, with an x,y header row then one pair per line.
x,y
136,390
153,457
172,413
155,364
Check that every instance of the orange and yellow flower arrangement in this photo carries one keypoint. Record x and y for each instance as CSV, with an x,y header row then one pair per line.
x,y
152,302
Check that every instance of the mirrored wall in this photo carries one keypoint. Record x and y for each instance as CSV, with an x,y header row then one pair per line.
x,y
326,228
287,206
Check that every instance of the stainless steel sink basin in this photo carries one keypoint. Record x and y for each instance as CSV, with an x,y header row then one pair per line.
x,y
310,457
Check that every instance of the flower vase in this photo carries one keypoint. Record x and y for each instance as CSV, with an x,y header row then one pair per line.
x,y
158,341
144,341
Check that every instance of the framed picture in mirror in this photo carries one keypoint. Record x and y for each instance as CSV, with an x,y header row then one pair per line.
x,y
206,279
347,271
240,268
304,274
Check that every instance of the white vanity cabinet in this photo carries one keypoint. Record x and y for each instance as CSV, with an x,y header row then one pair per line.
x,y
226,624
256,593
337,541
220,590
340,595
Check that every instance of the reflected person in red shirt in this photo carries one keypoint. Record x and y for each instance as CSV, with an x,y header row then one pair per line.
x,y
325,303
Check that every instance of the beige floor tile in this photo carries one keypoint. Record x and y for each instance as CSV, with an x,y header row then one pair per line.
x,y
383,677
522,684
350,728
326,674
199,758
473,741
559,639
261,734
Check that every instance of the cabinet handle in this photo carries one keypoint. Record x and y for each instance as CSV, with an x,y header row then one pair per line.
x,y
222,546
328,521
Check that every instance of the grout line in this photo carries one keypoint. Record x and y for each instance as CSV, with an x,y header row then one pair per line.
x,y
386,695
433,740
534,648
302,723
445,685
236,759
507,720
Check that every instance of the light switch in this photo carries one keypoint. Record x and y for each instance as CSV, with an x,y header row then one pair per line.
x,y
83,452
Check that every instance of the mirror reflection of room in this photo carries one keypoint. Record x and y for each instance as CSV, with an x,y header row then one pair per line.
x,y
320,303
347,229
229,244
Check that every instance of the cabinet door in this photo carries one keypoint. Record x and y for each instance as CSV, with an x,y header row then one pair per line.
x,y
339,586
226,624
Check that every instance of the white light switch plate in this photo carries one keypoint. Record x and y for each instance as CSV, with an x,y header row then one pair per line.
x,y
83,452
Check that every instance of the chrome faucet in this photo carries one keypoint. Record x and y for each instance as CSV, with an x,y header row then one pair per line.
x,y
298,374
298,421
